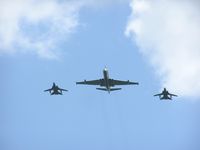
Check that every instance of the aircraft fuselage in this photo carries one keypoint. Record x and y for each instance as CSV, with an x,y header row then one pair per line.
x,y
106,79
166,95
55,90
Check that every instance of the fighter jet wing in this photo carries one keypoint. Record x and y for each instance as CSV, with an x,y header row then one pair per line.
x,y
158,94
92,82
47,90
172,94
120,82
63,90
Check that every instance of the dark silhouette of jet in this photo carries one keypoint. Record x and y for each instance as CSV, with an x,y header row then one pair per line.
x,y
107,82
165,95
55,90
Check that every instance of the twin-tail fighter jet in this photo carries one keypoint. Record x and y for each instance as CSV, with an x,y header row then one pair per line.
x,y
55,90
165,95
107,82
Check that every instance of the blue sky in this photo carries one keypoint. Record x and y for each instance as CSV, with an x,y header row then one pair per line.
x,y
85,118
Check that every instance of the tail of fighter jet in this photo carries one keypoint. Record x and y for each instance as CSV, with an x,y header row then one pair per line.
x,y
104,89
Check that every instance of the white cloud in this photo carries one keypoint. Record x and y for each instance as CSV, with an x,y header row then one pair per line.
x,y
167,32
36,25
96,3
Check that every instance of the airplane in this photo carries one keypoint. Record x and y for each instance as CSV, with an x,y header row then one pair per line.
x,y
107,82
165,95
55,90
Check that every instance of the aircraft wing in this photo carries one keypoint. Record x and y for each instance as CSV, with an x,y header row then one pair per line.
x,y
120,82
172,94
47,90
158,94
91,82
63,90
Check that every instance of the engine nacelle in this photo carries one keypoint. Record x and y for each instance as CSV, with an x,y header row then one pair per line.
x,y
102,82
112,83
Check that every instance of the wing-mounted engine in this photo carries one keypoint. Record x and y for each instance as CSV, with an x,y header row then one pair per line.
x,y
111,82
102,82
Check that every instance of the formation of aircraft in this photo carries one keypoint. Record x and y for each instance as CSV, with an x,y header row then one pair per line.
x,y
55,90
165,95
108,85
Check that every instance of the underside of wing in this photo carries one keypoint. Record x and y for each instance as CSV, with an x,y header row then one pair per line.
x,y
158,94
92,82
63,90
120,82
47,90
172,94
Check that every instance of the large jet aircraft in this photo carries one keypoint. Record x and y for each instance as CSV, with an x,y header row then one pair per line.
x,y
165,95
107,82
55,90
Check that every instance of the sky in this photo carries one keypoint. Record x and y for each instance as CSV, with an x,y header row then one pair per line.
x,y
153,42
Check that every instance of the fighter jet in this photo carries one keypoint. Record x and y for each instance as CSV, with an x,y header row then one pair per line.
x,y
165,95
55,90
107,82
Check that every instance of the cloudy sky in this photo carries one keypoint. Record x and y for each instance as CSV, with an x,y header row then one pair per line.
x,y
153,42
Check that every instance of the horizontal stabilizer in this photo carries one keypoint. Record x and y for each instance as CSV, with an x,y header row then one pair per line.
x,y
113,89
102,89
